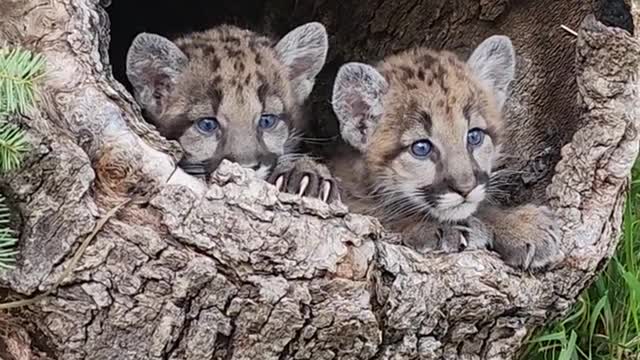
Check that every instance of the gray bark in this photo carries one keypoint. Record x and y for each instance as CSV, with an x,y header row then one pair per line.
x,y
235,270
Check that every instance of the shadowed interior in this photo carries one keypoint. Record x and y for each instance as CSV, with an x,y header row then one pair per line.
x,y
541,113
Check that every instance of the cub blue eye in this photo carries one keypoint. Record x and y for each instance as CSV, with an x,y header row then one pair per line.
x,y
267,121
208,125
421,148
475,137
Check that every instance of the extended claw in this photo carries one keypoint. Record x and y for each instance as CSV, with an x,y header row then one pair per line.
x,y
326,190
303,185
531,251
279,182
305,178
463,242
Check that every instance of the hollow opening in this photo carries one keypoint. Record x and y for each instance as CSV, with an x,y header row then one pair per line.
x,y
542,112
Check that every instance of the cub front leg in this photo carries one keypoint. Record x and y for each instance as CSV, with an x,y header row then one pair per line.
x,y
526,237
305,177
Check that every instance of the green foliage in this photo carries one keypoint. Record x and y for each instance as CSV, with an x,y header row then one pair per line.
x,y
19,71
7,238
605,323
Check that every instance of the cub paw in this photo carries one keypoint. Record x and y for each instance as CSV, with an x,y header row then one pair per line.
x,y
305,177
528,238
471,234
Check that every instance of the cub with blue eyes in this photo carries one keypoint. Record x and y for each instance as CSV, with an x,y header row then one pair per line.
x,y
423,132
229,93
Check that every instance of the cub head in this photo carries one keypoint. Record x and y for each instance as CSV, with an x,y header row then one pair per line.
x,y
228,93
428,125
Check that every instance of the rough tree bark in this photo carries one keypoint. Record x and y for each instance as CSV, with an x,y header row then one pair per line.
x,y
235,270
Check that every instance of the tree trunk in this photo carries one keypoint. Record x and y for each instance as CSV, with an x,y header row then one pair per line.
x,y
235,270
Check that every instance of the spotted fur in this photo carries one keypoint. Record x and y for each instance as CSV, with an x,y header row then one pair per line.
x,y
389,112
233,76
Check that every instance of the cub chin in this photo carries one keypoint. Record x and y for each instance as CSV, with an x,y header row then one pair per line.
x,y
423,131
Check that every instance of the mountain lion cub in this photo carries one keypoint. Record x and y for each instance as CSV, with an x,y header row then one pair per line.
x,y
423,130
229,93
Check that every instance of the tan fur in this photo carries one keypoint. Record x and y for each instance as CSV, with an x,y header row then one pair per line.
x,y
423,83
420,97
234,76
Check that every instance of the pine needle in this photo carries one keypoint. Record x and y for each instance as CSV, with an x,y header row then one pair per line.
x,y
12,146
7,238
19,72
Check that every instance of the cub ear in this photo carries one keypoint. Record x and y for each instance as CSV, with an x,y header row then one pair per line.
x,y
153,64
357,102
303,51
493,62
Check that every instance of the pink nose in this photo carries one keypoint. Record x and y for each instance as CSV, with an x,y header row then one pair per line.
x,y
463,188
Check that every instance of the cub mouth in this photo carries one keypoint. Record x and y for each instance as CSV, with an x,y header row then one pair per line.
x,y
452,206
193,168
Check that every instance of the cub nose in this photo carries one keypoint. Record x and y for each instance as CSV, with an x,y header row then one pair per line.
x,y
463,187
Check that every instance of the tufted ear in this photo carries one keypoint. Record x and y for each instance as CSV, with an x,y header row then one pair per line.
x,y
357,102
153,64
493,62
304,51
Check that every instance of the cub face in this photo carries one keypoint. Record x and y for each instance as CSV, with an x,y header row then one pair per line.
x,y
427,125
228,93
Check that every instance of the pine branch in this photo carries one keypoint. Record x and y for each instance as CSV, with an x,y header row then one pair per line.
x,y
12,146
19,71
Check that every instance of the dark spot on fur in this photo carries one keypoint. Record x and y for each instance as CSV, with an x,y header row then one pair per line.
x,y
215,82
256,43
233,52
466,112
261,78
215,95
231,40
438,70
215,63
407,73
426,60
263,90
421,74
238,65
425,119
453,61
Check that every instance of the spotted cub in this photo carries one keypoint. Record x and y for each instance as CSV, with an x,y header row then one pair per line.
x,y
230,93
423,131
